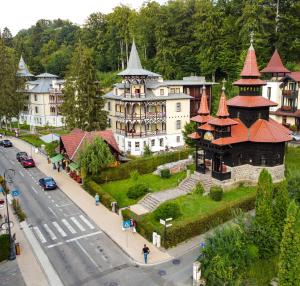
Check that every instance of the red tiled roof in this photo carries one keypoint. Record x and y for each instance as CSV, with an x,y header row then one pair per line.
x,y
249,81
222,110
267,132
280,127
207,127
194,135
275,65
295,76
203,108
222,122
201,118
73,141
250,101
250,64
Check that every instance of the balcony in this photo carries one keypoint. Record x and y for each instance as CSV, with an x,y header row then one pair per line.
x,y
140,134
135,95
137,116
55,91
55,100
288,108
221,176
290,93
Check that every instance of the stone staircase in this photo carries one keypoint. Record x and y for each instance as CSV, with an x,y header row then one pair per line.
x,y
149,202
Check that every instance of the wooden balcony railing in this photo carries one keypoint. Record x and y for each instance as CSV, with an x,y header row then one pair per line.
x,y
290,93
140,134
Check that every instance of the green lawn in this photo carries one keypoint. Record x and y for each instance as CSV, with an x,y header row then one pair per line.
x,y
292,161
32,139
119,189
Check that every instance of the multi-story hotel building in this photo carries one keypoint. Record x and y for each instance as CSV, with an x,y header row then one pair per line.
x,y
146,110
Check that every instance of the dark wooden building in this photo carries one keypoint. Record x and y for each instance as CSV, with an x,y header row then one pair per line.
x,y
242,132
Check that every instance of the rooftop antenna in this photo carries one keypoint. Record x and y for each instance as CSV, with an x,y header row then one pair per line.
x,y
224,82
251,37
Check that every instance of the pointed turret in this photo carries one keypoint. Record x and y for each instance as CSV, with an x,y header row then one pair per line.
x,y
275,65
134,66
223,110
23,70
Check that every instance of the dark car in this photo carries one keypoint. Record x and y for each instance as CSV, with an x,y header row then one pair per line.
x,y
27,162
48,183
21,155
6,143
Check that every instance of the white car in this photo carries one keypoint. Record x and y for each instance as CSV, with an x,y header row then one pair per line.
x,y
296,136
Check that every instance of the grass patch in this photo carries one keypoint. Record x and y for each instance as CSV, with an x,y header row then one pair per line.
x,y
32,139
292,161
119,189
4,247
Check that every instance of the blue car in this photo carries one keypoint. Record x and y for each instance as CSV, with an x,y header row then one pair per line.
x,y
48,183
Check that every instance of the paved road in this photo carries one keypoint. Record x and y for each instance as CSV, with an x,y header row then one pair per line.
x,y
79,251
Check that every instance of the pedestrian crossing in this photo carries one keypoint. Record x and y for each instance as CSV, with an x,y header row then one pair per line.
x,y
63,228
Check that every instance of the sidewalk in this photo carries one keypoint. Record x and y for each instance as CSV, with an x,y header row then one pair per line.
x,y
109,222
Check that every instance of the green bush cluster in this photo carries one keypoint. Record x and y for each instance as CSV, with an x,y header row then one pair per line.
x,y
167,210
137,191
18,210
190,228
142,165
51,148
4,247
165,173
93,188
199,189
216,193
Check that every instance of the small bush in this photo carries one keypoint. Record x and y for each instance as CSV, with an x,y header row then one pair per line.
x,y
136,191
134,176
167,210
165,173
4,247
216,193
199,189
18,210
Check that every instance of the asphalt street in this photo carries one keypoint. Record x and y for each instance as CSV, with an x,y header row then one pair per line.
x,y
78,250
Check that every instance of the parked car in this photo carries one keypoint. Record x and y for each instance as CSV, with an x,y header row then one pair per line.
x,y
48,183
296,136
7,143
21,155
27,162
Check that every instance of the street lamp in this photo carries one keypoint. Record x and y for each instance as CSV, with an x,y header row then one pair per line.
x,y
9,174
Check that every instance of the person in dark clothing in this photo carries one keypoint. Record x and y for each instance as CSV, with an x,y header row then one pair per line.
x,y
146,252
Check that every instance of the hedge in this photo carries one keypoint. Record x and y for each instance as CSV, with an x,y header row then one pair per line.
x,y
142,165
4,247
92,188
184,230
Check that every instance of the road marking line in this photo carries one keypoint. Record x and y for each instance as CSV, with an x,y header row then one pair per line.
x,y
34,189
77,223
52,211
63,205
56,244
52,201
49,197
67,215
70,228
50,232
86,253
12,162
87,222
39,234
83,236
59,229
21,173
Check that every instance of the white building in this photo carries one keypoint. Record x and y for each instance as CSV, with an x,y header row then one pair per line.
x,y
146,110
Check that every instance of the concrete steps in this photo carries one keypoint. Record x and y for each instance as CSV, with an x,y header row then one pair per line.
x,y
149,202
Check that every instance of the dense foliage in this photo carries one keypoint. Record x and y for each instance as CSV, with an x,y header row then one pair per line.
x,y
216,193
165,173
137,191
167,210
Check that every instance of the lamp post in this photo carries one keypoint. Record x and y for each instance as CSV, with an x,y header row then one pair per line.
x,y
9,174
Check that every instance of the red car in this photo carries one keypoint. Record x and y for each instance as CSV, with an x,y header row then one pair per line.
x,y
27,162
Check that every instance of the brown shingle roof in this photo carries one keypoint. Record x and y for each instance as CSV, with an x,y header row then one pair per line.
x,y
222,110
250,64
250,101
275,65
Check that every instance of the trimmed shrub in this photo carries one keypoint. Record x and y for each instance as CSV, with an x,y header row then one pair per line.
x,y
142,165
4,247
165,173
136,191
93,188
199,189
134,176
167,210
216,193
18,210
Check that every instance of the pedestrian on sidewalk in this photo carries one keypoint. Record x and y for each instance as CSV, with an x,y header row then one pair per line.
x,y
146,252
58,166
97,199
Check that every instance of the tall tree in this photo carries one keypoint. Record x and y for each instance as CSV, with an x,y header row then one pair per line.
x,y
7,37
83,103
289,259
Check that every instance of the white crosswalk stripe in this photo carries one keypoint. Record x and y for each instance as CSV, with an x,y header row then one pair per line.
x,y
50,232
59,229
69,227
77,223
87,222
39,234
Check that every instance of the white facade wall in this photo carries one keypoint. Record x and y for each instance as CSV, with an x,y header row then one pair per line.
x,y
273,88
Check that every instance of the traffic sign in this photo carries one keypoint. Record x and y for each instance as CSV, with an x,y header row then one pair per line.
x,y
126,224
1,189
4,225
2,203
161,221
15,193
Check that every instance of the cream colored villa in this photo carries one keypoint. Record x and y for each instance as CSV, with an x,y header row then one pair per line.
x,y
146,110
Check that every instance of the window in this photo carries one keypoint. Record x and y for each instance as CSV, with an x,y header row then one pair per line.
x,y
161,142
108,122
177,90
172,90
129,144
178,139
178,124
161,91
269,92
153,142
283,119
238,114
145,143
108,105
137,145
35,97
36,109
178,107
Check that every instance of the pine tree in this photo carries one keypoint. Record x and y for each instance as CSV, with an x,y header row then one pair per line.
x,y
83,104
188,129
289,260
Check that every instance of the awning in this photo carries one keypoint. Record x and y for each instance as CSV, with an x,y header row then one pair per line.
x,y
73,166
57,158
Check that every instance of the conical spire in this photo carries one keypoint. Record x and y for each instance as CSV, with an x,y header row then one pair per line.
x,y
203,108
223,110
22,69
275,65
250,65
134,59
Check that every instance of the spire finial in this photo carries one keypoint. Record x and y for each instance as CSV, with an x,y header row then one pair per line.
x,y
204,88
224,82
251,37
